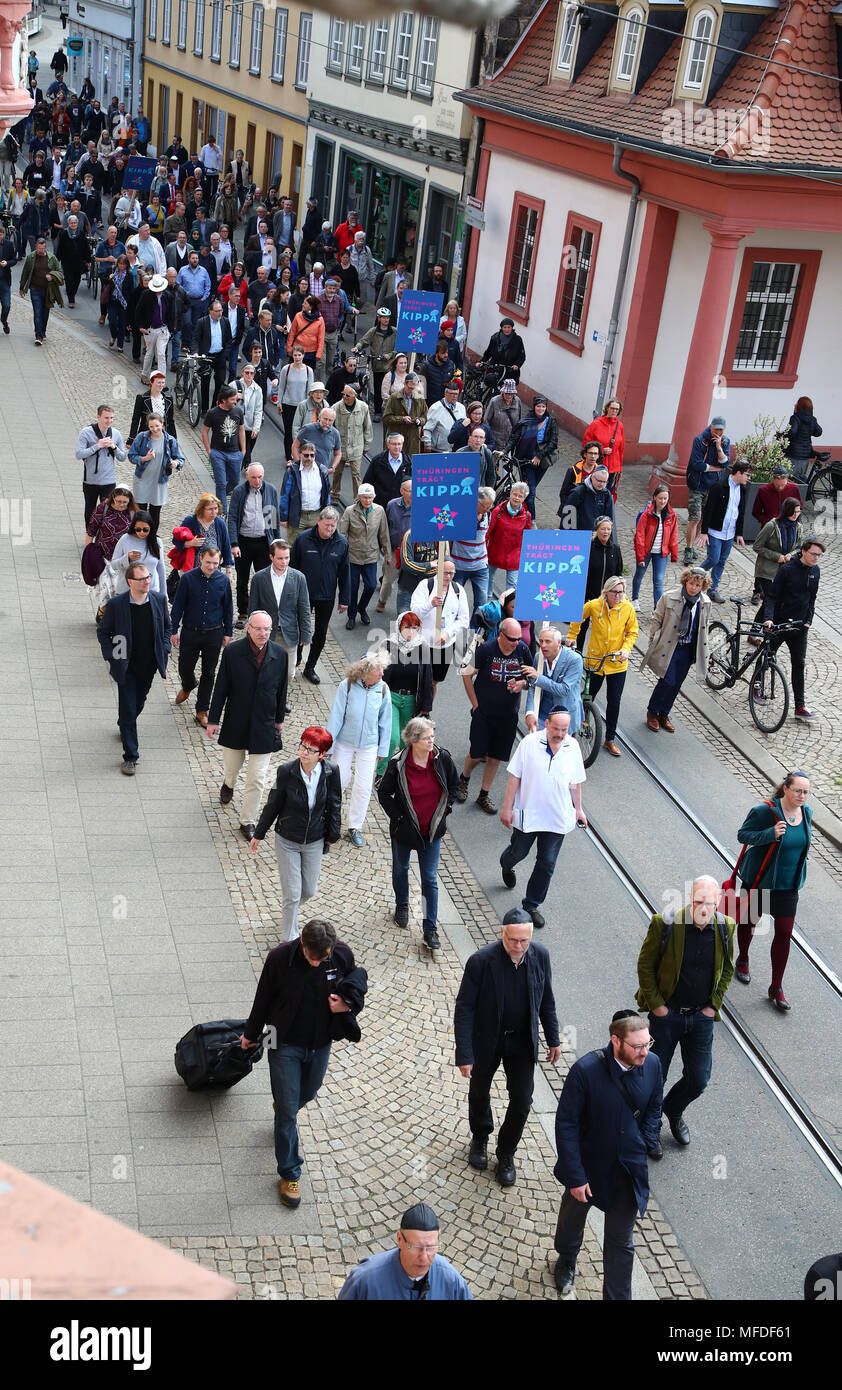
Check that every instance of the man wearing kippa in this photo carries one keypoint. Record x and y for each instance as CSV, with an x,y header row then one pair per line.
x,y
413,1271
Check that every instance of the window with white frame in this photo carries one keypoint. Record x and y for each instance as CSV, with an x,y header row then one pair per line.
x,y
567,37
153,19
700,44
256,45
377,49
769,303
425,56
199,28
236,44
182,25
166,21
279,45
356,49
216,31
521,253
302,66
336,45
402,50
631,26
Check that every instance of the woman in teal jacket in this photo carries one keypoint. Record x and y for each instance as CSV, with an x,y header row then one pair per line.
x,y
785,827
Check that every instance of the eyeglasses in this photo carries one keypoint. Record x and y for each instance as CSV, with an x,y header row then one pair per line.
x,y
305,748
421,1249
640,1047
140,579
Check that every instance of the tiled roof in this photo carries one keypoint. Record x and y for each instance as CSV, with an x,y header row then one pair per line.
x,y
803,128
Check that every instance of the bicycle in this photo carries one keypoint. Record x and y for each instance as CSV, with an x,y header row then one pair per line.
x,y
483,381
508,473
591,731
190,372
824,477
768,692
365,376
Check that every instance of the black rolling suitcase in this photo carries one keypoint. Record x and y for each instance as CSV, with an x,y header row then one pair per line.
x,y
210,1057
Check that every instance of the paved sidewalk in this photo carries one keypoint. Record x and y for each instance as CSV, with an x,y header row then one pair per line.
x,y
134,910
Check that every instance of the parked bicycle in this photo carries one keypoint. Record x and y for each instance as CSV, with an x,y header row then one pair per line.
x,y
190,372
768,691
824,477
482,381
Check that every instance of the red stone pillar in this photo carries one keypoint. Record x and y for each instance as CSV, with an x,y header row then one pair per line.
x,y
703,360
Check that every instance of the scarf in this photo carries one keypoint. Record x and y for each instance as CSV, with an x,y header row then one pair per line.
x,y
117,281
787,530
687,611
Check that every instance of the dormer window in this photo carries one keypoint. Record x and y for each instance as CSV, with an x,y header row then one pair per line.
x,y
567,37
631,27
699,50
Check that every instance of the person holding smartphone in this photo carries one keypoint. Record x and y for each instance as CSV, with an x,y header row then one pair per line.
x,y
543,802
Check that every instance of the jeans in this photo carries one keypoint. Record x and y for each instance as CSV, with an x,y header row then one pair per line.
x,y
175,348
529,473
295,1073
5,300
299,866
232,361
517,849
131,697
511,579
618,1246
428,863
664,695
196,642
613,696
226,473
194,309
368,575
797,643
718,552
116,321
516,1054
693,1033
405,595
659,569
40,311
479,585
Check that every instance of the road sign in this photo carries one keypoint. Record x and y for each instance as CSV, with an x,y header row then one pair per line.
x,y
474,213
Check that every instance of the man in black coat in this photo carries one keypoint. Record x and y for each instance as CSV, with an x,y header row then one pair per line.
x,y
321,555
608,1118
8,258
792,598
135,639
505,990
722,520
249,699
388,470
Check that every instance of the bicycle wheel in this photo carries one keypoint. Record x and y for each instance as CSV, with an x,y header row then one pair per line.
x,y
180,389
720,656
590,733
768,696
194,403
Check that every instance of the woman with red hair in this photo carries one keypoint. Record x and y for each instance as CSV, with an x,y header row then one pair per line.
x,y
306,807
803,427
608,432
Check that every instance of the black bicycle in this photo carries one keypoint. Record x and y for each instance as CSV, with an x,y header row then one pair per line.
x,y
824,477
768,692
508,473
189,374
483,381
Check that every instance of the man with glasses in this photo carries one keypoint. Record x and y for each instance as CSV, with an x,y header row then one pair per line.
x,y
493,685
135,639
506,988
607,1119
792,598
304,492
684,968
414,1271
301,988
543,802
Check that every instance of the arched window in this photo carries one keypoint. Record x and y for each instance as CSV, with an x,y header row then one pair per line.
x,y
700,46
631,26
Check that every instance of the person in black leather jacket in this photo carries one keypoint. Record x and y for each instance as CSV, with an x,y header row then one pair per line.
x,y
305,805
803,427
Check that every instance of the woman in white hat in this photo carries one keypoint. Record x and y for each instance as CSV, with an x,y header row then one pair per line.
x,y
153,317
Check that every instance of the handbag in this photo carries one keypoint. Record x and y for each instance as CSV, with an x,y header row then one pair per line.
x,y
93,563
731,900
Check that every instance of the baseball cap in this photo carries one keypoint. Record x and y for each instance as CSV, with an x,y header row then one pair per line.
x,y
718,422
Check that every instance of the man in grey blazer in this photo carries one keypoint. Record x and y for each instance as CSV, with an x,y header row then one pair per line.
x,y
282,593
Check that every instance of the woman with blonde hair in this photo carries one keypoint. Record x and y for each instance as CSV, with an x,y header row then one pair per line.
x,y
678,636
613,634
361,725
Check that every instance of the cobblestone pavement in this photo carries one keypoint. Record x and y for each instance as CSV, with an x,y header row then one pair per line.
x,y
391,1117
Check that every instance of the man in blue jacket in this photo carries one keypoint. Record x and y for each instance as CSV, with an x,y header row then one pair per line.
x,y
505,990
135,639
708,456
608,1117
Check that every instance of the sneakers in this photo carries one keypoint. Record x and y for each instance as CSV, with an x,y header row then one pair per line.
x,y
290,1192
689,555
462,790
431,941
128,768
715,597
804,713
563,1274
356,838
486,804
401,914
760,698
636,604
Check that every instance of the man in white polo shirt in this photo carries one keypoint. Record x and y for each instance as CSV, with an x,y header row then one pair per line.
x,y
543,801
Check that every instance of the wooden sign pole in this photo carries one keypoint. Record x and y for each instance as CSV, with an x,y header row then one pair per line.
x,y
440,585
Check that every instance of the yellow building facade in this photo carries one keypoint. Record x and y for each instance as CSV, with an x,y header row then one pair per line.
x,y
237,71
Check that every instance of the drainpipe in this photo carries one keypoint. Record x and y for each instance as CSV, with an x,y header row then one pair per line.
x,y
621,277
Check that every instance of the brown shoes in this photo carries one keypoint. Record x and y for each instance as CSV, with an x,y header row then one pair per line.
x,y
664,721
225,794
652,721
290,1193
611,747
182,696
381,608
202,718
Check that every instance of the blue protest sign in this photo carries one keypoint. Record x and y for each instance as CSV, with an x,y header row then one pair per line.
x,y
552,575
444,496
419,319
139,174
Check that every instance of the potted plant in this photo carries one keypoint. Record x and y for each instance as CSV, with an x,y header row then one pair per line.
x,y
765,452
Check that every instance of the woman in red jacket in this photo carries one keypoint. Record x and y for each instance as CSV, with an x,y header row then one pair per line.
x,y
608,432
504,537
308,330
655,539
